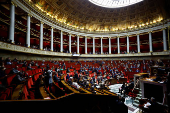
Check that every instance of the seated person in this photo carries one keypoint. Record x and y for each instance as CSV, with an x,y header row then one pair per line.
x,y
151,106
2,72
70,81
75,84
67,77
158,78
122,88
137,70
15,60
24,64
8,61
15,70
68,70
29,67
18,78
57,79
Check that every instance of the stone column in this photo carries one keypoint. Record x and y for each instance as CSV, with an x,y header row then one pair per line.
x,y
138,43
41,36
86,45
118,45
110,45
150,41
93,45
51,38
28,30
78,44
12,23
101,45
164,40
61,42
70,43
127,44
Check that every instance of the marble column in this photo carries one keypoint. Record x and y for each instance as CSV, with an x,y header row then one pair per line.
x,y
150,41
12,23
51,38
138,43
70,43
168,37
28,30
164,40
78,44
101,39
61,42
118,45
41,36
93,45
110,45
85,45
127,44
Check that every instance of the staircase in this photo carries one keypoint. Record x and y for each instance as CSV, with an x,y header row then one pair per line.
x,y
139,95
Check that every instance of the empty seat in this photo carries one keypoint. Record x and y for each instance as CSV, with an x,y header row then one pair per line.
x,y
3,96
7,71
9,79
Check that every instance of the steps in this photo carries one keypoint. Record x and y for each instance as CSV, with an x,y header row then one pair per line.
x,y
139,96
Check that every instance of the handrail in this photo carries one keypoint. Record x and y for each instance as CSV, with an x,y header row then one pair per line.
x,y
135,84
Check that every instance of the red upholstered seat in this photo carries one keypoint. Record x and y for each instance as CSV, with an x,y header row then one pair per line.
x,y
29,72
23,68
3,96
8,66
36,76
7,71
10,78
25,92
19,69
31,95
64,72
29,83
8,92
33,72
71,70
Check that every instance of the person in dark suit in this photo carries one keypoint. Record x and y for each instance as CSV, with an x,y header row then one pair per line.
x,y
2,72
76,76
29,67
48,79
15,70
158,78
67,77
18,78
38,83
57,79
68,70
153,107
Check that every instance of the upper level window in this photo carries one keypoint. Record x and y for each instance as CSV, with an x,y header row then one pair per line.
x,y
114,3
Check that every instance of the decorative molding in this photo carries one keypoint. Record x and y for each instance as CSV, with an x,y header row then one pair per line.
x,y
42,22
29,15
13,3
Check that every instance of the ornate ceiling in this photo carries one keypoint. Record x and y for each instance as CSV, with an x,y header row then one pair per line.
x,y
83,14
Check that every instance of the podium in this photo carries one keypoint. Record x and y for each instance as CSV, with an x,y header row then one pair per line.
x,y
154,89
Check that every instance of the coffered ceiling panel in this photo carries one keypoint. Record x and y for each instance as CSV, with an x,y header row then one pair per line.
x,y
85,15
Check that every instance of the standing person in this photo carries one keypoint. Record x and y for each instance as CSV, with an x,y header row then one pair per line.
x,y
48,78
